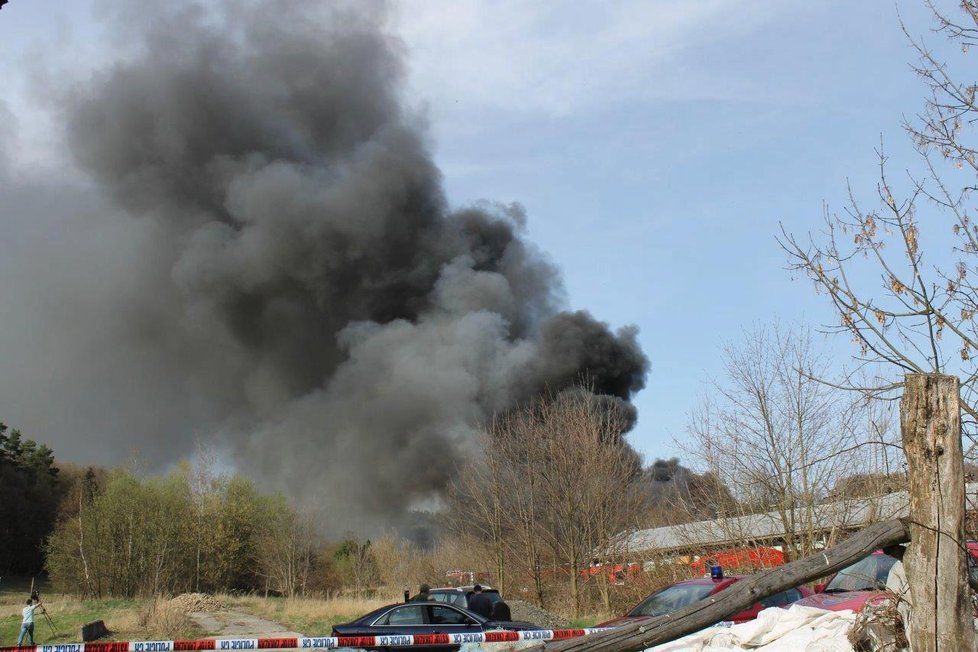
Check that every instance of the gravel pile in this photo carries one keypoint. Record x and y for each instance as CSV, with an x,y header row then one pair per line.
x,y
530,613
191,602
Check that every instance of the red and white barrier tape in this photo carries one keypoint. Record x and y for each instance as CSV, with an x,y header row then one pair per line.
x,y
317,643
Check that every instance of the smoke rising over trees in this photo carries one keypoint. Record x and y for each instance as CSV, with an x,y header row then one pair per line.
x,y
676,494
262,256
556,483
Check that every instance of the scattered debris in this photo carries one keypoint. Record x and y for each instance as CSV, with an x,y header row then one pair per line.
x,y
194,602
878,627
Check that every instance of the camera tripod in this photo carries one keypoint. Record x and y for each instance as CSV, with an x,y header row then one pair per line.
x,y
47,617
36,597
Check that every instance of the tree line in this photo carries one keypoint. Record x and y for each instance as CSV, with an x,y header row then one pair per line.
x,y
124,532
29,497
553,488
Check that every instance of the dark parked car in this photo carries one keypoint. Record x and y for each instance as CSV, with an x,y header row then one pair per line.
x,y
682,594
458,595
414,618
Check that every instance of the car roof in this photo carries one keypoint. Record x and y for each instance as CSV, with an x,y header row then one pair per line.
x,y
463,589
369,618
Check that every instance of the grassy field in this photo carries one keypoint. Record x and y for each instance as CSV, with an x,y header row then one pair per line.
x,y
155,619
149,619
126,619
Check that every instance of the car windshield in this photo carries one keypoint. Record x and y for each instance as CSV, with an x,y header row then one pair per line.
x,y
672,598
867,575
447,596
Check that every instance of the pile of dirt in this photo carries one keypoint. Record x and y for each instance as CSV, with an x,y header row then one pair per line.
x,y
530,613
193,602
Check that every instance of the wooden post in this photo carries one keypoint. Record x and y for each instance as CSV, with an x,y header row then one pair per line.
x,y
936,566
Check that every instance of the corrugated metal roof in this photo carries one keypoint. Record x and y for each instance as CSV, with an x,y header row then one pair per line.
x,y
844,514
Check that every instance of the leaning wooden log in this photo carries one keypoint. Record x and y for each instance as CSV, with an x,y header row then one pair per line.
x,y
741,595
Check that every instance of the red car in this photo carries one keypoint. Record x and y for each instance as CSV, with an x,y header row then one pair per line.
x,y
865,582
853,586
682,594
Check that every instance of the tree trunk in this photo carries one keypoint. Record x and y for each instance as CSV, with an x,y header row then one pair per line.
x,y
575,586
937,570
81,551
500,579
603,588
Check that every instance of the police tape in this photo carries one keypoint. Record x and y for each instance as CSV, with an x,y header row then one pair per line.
x,y
315,643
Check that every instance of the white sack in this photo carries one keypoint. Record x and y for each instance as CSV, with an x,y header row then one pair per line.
x,y
774,630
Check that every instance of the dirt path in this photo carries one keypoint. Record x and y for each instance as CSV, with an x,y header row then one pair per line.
x,y
237,624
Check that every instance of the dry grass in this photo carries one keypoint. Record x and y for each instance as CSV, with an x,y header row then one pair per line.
x,y
126,620
163,620
312,616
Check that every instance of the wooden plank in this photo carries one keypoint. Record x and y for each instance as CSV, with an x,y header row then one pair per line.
x,y
741,595
936,562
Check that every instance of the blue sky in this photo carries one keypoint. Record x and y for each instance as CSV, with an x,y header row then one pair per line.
x,y
655,145
656,163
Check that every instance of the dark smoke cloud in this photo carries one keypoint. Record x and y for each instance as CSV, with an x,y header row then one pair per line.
x,y
266,259
677,494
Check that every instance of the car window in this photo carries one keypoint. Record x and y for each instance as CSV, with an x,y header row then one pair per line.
x,y
869,574
447,616
781,599
407,615
672,598
443,597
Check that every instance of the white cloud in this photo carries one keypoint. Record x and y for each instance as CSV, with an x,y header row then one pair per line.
x,y
561,58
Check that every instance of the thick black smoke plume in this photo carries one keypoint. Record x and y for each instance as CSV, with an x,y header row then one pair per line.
x,y
267,260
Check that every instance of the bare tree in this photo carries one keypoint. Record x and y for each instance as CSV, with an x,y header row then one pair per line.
x,y
775,436
556,483
202,480
356,561
901,275
402,565
286,549
477,500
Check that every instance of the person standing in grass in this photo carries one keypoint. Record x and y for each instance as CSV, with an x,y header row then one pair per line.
x,y
27,624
